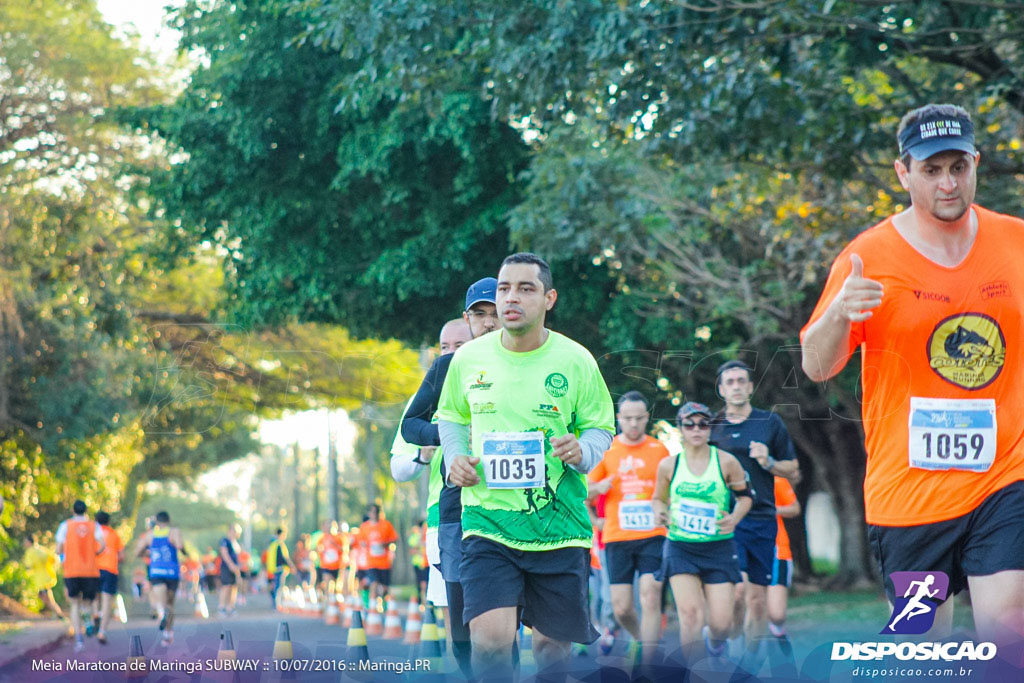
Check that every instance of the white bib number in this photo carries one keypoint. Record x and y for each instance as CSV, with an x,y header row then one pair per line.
x,y
952,434
636,515
695,517
513,460
377,549
331,556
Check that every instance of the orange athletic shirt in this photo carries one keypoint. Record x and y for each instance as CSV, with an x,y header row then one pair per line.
x,y
107,560
329,549
635,469
80,548
784,495
942,333
376,537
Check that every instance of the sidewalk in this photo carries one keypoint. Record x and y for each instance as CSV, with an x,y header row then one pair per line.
x,y
30,639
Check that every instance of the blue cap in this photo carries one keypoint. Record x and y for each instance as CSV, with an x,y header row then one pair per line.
x,y
481,290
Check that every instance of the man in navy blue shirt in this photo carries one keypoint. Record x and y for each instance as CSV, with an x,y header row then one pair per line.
x,y
761,443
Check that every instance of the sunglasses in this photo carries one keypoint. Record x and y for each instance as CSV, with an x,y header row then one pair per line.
x,y
696,425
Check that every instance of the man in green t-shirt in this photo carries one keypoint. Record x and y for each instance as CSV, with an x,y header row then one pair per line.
x,y
540,417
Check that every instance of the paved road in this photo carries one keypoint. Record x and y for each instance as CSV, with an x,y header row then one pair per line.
x,y
193,655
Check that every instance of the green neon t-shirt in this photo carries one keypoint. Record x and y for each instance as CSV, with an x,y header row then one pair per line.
x,y
556,389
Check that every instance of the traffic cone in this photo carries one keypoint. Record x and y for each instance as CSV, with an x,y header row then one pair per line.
x,y
349,608
374,623
331,614
392,622
430,649
227,646
442,632
413,623
138,667
283,644
122,613
201,610
357,650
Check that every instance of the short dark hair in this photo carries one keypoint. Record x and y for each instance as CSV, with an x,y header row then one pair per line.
x,y
730,365
79,507
279,531
163,517
374,506
633,396
102,518
544,270
915,115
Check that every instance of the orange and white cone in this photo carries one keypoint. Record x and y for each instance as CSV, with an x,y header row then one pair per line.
x,y
413,623
392,622
374,623
331,614
350,607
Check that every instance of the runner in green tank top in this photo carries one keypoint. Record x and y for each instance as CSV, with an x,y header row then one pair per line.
x,y
693,497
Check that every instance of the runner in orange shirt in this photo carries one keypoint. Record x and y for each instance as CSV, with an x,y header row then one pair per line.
x,y
80,541
329,548
934,297
633,542
788,507
108,562
377,535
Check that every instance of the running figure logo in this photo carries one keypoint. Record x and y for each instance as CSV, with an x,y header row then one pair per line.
x,y
922,592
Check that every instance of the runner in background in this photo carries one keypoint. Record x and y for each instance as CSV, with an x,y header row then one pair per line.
x,y
302,561
759,440
41,566
602,613
230,571
786,507
163,543
329,549
109,562
378,537
633,542
417,543
419,426
245,573
694,496
360,553
210,569
80,541
277,565
139,582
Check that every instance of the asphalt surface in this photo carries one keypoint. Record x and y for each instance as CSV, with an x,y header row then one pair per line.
x,y
319,652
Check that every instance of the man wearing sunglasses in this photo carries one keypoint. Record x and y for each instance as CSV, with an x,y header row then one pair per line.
x,y
761,443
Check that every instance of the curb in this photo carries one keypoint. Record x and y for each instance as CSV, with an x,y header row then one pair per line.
x,y
9,658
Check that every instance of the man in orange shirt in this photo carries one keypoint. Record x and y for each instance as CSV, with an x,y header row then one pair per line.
x,y
934,297
377,535
329,548
107,562
633,543
80,542
786,507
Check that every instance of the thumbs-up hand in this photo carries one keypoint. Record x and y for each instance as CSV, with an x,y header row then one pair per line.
x,y
859,294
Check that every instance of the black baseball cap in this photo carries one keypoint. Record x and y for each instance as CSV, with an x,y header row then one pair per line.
x,y
936,133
